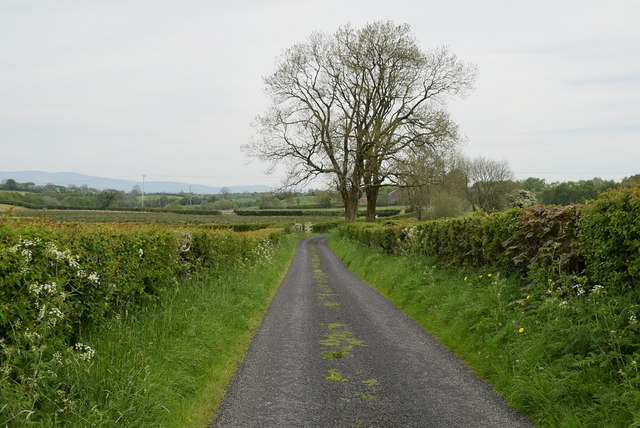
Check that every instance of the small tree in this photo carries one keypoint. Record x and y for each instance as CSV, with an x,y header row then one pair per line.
x,y
325,198
489,183
533,184
10,184
108,197
225,193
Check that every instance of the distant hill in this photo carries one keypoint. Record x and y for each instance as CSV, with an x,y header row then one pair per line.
x,y
101,183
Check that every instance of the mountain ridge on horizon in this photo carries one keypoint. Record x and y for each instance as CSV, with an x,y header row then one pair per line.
x,y
102,183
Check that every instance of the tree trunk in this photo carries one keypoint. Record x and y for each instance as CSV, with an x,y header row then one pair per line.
x,y
351,208
372,200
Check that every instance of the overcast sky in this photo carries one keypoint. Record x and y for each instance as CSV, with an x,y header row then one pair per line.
x,y
121,88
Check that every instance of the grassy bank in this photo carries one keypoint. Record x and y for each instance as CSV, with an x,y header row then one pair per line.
x,y
561,356
168,365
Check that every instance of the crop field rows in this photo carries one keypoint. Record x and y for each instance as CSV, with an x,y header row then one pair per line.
x,y
159,217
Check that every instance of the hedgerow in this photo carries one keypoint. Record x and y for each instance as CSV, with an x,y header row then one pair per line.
x,y
514,240
57,279
307,212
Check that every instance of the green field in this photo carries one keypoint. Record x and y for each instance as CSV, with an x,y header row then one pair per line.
x,y
157,217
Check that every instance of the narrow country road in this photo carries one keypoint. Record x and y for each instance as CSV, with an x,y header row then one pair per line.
x,y
332,352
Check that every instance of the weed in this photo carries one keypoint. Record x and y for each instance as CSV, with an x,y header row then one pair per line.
x,y
335,375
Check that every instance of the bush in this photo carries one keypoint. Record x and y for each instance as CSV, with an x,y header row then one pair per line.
x,y
326,226
609,238
546,236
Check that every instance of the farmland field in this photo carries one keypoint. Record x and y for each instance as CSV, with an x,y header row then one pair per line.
x,y
157,217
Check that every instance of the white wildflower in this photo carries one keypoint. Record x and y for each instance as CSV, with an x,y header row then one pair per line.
x,y
32,336
59,255
56,313
28,243
39,288
185,243
35,289
563,303
50,288
27,254
84,352
141,252
633,320
597,289
93,277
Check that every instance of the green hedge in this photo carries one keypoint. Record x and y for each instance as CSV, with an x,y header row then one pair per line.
x,y
609,236
326,226
58,278
238,227
475,240
305,212
600,239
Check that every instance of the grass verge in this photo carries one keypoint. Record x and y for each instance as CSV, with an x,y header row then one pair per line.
x,y
168,365
541,352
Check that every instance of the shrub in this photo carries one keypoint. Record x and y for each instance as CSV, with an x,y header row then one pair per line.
x,y
545,236
609,238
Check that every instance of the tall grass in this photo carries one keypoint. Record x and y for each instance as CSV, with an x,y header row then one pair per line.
x,y
168,364
561,357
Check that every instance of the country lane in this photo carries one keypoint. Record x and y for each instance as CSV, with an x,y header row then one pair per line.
x,y
332,352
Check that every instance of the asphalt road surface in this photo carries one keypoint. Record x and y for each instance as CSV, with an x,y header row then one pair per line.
x,y
332,352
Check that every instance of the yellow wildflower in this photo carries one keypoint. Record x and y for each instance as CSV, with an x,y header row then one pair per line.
x,y
466,277
521,330
489,275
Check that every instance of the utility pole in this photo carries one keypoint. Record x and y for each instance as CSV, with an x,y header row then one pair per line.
x,y
190,194
143,176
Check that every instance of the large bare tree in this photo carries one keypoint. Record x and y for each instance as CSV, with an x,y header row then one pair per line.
x,y
356,104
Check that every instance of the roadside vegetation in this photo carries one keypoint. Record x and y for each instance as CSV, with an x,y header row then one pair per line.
x,y
542,302
169,364
124,325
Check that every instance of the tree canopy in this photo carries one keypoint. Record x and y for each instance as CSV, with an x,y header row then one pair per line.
x,y
355,105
